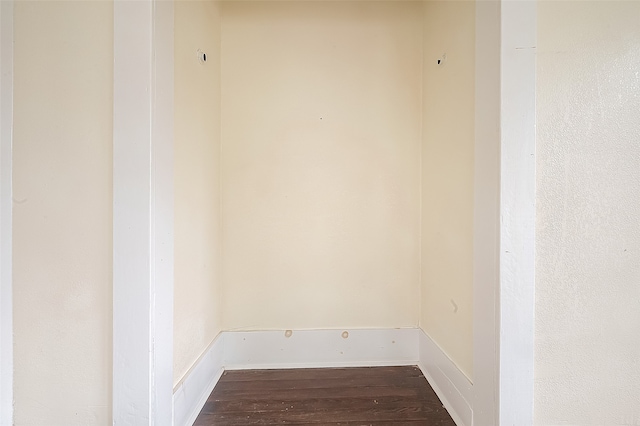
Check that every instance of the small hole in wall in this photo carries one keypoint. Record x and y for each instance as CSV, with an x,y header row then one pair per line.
x,y
439,61
345,334
288,333
202,57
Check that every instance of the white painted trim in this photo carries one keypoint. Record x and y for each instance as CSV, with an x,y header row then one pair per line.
x,y
132,286
320,348
504,216
447,380
6,206
486,226
192,392
162,211
517,211
143,213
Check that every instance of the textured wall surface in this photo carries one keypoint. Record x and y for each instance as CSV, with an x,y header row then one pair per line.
x,y
588,214
198,292
62,212
321,164
447,178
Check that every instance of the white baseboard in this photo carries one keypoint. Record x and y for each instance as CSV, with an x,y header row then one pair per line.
x,y
450,384
191,394
320,348
323,348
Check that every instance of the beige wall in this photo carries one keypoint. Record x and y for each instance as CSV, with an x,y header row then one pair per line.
x,y
198,293
321,164
447,178
62,212
588,205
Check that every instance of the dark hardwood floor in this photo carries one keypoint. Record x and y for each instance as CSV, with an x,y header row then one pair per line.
x,y
324,396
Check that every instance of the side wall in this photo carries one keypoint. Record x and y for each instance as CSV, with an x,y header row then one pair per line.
x,y
321,164
198,293
448,178
62,247
588,203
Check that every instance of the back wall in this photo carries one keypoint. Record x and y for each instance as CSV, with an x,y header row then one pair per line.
x,y
321,113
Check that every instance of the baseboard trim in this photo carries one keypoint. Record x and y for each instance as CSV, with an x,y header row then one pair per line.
x,y
191,394
450,384
320,348
323,348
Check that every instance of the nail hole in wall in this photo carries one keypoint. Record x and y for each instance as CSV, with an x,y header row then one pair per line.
x,y
345,334
288,333
202,57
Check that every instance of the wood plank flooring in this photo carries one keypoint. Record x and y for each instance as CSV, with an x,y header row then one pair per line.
x,y
373,396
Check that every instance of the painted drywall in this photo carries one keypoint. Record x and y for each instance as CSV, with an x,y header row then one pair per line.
x,y
197,292
587,353
62,212
448,178
321,164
